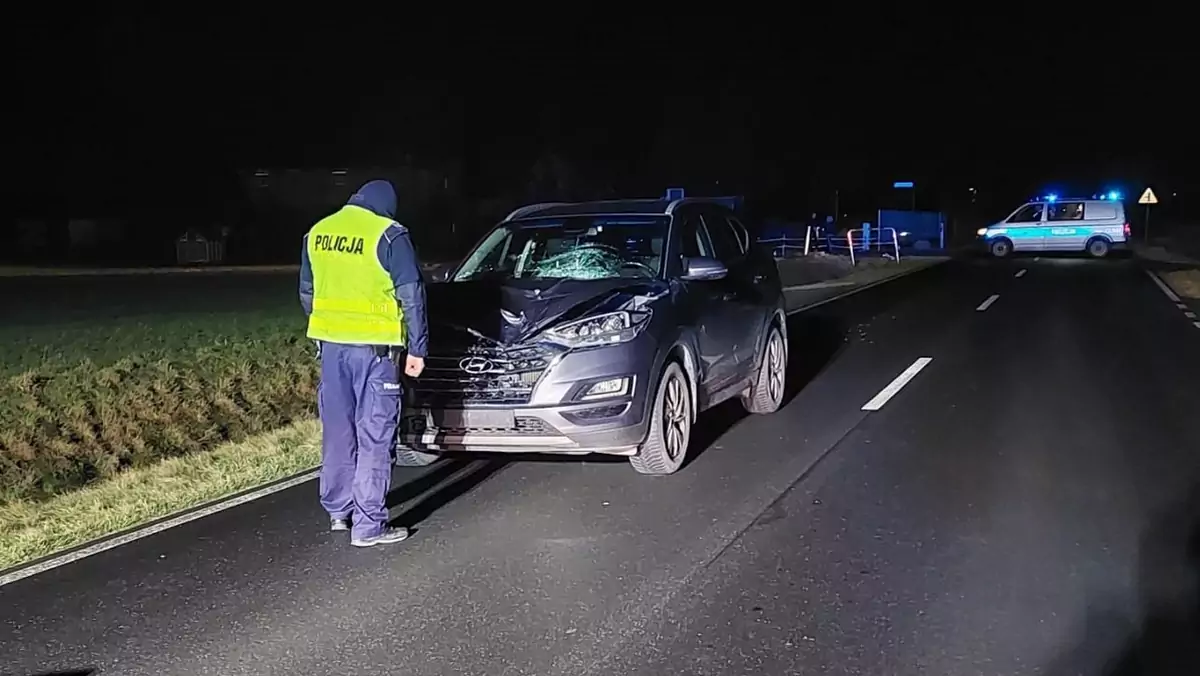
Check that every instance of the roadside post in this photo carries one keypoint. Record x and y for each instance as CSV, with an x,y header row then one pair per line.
x,y
1148,198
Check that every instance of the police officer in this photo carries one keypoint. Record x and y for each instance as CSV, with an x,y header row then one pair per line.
x,y
361,287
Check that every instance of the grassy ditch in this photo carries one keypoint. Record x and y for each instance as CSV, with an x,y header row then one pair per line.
x,y
30,529
103,375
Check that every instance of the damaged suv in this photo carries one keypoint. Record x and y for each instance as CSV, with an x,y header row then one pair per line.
x,y
601,327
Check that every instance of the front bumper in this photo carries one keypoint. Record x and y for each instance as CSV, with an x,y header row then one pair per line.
x,y
617,428
554,419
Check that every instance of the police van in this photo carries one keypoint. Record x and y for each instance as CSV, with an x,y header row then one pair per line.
x,y
1096,226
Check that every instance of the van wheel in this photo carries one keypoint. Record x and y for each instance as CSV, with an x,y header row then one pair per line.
x,y
1097,248
766,394
666,444
1001,248
406,457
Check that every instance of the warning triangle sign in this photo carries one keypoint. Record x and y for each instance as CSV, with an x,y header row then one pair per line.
x,y
1148,197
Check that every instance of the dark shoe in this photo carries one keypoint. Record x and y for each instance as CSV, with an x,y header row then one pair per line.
x,y
387,537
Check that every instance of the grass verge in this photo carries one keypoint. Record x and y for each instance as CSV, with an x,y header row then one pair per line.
x,y
866,272
1186,283
64,426
31,529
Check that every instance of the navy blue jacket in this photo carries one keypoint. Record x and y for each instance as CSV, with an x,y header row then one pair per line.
x,y
396,255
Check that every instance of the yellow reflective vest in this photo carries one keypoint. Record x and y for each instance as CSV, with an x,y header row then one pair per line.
x,y
354,301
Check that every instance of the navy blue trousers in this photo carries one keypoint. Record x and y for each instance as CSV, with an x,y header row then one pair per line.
x,y
359,401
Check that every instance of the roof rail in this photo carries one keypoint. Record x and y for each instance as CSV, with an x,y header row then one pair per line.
x,y
675,204
529,209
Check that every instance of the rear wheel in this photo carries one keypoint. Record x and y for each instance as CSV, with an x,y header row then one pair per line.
x,y
1001,248
766,394
1097,248
666,444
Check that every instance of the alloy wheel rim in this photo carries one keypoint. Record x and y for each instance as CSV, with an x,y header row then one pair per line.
x,y
674,418
775,367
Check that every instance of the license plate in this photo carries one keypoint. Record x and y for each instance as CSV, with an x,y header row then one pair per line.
x,y
468,418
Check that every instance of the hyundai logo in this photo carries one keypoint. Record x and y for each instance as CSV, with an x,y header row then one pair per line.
x,y
477,365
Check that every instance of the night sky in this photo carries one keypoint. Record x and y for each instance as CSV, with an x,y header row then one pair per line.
x,y
785,111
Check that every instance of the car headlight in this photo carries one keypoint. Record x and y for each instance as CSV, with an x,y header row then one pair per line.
x,y
605,329
981,232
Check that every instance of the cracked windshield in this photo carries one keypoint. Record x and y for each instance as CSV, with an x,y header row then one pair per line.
x,y
581,248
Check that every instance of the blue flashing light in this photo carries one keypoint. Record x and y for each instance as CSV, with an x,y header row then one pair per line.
x,y
902,184
1052,197
1114,195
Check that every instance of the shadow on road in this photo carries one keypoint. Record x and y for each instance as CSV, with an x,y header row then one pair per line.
x,y
1168,640
72,672
814,340
440,486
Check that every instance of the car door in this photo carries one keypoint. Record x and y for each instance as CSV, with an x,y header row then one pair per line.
x,y
743,291
1065,229
764,278
1026,227
707,310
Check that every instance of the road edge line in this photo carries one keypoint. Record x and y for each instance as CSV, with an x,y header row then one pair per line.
x,y
84,550
1163,286
871,285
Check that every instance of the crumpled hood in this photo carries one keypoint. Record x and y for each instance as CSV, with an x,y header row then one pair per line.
x,y
516,310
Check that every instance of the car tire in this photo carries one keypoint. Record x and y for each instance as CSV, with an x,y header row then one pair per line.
x,y
406,457
766,393
1097,248
1000,248
666,444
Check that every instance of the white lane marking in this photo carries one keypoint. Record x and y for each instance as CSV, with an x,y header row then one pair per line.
x,y
896,385
1190,315
147,531
1162,285
1181,306
1196,324
1021,272
987,303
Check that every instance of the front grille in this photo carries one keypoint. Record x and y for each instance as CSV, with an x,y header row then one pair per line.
x,y
500,376
523,426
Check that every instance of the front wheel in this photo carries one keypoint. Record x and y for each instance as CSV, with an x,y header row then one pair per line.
x,y
666,444
1097,248
1001,248
766,394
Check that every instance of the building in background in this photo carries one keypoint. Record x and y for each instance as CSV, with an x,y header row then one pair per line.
x,y
284,202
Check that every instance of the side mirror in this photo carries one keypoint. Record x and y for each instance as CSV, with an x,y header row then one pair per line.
x,y
703,268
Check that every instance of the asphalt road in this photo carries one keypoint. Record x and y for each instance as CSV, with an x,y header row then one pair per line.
x,y
1024,505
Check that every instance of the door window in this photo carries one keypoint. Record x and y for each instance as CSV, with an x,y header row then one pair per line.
x,y
1066,211
725,245
741,232
693,241
1030,213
